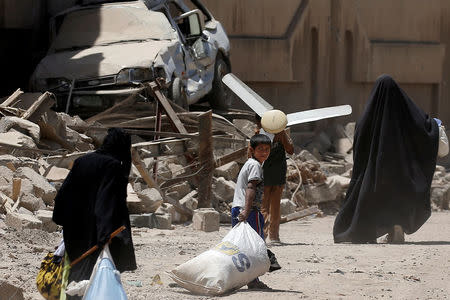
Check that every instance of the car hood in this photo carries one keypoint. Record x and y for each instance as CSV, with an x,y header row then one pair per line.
x,y
101,60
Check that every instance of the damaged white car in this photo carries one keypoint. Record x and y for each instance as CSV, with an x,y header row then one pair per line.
x,y
102,53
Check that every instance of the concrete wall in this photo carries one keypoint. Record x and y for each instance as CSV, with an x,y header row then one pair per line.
x,y
301,54
298,54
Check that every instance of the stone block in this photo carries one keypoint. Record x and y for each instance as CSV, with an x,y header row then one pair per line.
x,y
175,168
42,188
223,190
150,198
178,191
333,168
45,216
24,211
206,219
10,292
167,208
20,221
56,174
228,171
6,173
328,191
225,217
343,181
31,202
287,207
141,220
190,201
163,221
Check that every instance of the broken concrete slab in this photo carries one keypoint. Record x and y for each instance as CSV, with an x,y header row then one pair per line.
x,y
151,200
328,191
343,181
163,221
20,221
206,219
55,174
31,202
45,216
190,201
223,190
42,189
228,171
178,191
23,126
287,207
167,208
16,139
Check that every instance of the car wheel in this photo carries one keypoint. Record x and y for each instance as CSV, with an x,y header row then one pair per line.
x,y
220,96
177,94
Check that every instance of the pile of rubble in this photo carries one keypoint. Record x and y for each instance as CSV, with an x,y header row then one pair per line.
x,y
39,147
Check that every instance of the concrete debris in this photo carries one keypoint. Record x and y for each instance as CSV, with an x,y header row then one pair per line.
x,y
22,221
45,216
228,171
41,187
178,191
206,219
39,146
287,207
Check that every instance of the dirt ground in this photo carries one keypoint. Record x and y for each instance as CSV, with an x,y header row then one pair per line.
x,y
313,266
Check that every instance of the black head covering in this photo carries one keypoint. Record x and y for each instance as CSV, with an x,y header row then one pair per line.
x,y
395,148
117,144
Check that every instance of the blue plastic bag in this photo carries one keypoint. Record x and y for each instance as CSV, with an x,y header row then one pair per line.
x,y
105,280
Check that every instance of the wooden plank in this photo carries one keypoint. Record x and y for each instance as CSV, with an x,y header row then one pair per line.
x,y
206,161
300,214
17,183
35,106
223,160
11,99
174,120
163,148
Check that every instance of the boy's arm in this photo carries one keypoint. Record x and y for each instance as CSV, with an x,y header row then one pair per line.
x,y
250,193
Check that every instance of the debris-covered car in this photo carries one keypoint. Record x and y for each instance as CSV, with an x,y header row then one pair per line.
x,y
102,53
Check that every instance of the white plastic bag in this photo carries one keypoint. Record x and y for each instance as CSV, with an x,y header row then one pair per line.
x,y
104,283
237,260
443,142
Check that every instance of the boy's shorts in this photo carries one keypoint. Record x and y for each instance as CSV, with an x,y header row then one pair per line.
x,y
255,220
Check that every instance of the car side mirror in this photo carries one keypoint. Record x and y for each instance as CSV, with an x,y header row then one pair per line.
x,y
191,24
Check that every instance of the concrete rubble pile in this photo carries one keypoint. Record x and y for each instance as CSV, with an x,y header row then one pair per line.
x,y
38,147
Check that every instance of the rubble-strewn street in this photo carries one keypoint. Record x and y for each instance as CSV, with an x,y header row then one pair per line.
x,y
170,215
313,266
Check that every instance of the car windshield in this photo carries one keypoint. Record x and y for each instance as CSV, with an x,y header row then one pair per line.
x,y
111,24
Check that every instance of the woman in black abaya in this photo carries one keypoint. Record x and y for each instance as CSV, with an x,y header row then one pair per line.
x,y
395,148
91,204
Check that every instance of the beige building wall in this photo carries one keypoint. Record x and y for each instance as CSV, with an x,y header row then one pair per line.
x,y
301,54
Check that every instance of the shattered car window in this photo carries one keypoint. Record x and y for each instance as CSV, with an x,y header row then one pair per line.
x,y
108,25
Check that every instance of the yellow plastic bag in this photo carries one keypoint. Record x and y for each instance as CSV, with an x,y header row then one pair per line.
x,y
48,280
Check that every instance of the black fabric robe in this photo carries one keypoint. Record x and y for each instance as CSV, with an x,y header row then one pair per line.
x,y
91,204
394,153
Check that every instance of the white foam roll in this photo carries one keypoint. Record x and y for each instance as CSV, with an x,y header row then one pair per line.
x,y
274,121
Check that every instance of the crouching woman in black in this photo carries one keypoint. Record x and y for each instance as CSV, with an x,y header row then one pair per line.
x,y
395,148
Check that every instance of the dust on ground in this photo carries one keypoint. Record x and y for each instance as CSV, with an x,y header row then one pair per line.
x,y
313,266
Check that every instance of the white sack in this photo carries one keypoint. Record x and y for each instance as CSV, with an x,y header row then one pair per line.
x,y
231,264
